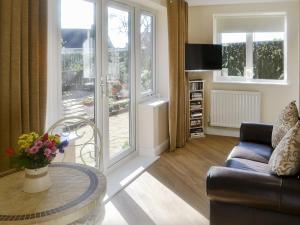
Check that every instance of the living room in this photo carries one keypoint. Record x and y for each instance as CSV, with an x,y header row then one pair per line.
x,y
149,112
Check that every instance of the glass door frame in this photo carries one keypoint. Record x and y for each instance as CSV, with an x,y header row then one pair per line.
x,y
54,98
108,162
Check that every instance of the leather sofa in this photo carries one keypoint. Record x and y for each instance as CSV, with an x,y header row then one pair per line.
x,y
245,192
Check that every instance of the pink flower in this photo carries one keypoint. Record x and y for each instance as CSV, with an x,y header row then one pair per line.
x,y
48,143
53,149
33,150
53,145
38,144
48,152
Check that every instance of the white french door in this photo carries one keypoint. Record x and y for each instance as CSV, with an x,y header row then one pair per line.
x,y
118,76
97,75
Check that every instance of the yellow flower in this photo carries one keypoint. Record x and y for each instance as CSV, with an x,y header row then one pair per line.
x,y
34,135
26,140
23,144
54,138
23,136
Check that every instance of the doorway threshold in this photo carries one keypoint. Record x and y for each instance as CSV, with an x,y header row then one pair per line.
x,y
122,176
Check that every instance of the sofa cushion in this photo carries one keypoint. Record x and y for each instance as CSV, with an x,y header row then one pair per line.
x,y
286,120
285,160
249,165
252,151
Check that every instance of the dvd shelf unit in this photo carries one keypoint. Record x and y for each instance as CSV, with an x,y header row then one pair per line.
x,y
196,111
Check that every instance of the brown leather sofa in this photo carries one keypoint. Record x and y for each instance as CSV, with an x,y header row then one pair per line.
x,y
244,192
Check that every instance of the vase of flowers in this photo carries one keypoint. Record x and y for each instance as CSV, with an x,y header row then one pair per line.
x,y
36,180
35,154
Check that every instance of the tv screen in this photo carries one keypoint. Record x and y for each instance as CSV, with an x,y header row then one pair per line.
x,y
203,57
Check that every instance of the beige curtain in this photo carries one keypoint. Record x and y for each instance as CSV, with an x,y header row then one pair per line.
x,y
177,26
23,57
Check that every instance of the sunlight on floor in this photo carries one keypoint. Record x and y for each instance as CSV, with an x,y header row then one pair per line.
x,y
148,201
115,218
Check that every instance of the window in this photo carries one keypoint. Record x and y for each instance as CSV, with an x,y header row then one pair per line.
x,y
253,48
147,81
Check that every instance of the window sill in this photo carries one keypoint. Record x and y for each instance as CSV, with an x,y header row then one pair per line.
x,y
280,83
145,98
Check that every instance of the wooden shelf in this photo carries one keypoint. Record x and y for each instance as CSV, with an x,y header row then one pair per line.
x,y
195,81
194,100
193,91
196,127
196,88
196,109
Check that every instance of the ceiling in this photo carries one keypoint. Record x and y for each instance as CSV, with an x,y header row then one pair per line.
x,y
222,2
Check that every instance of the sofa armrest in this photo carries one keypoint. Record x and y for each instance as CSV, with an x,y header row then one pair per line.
x,y
243,187
258,133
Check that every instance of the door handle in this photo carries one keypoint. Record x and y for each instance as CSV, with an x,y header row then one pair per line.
x,y
102,86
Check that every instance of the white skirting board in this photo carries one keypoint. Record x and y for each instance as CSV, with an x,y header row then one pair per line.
x,y
222,131
155,151
162,147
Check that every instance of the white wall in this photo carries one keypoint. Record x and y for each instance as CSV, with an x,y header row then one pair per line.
x,y
162,62
274,97
154,4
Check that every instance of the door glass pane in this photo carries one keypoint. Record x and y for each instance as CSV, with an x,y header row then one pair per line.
x,y
146,38
78,75
233,54
268,55
118,79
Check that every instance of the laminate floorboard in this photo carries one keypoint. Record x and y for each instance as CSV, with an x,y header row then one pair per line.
x,y
172,191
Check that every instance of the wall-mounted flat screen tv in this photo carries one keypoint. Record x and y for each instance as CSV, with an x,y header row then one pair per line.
x,y
203,57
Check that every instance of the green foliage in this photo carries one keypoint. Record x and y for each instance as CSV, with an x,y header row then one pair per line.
x,y
30,162
123,63
117,105
268,60
146,53
125,145
146,80
72,62
234,58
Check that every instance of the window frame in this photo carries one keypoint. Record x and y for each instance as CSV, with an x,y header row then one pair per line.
x,y
143,96
218,78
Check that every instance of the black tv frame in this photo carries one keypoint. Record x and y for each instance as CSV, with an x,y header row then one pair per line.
x,y
203,57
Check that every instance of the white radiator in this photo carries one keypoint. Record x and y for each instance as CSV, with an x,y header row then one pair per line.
x,y
231,108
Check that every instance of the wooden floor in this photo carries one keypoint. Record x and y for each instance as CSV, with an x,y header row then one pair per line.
x,y
172,191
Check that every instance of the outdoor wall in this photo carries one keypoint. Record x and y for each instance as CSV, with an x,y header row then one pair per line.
x,y
274,97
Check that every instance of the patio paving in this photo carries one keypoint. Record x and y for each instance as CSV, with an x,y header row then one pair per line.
x,y
118,133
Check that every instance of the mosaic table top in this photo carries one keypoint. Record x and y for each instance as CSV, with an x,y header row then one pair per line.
x,y
76,191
